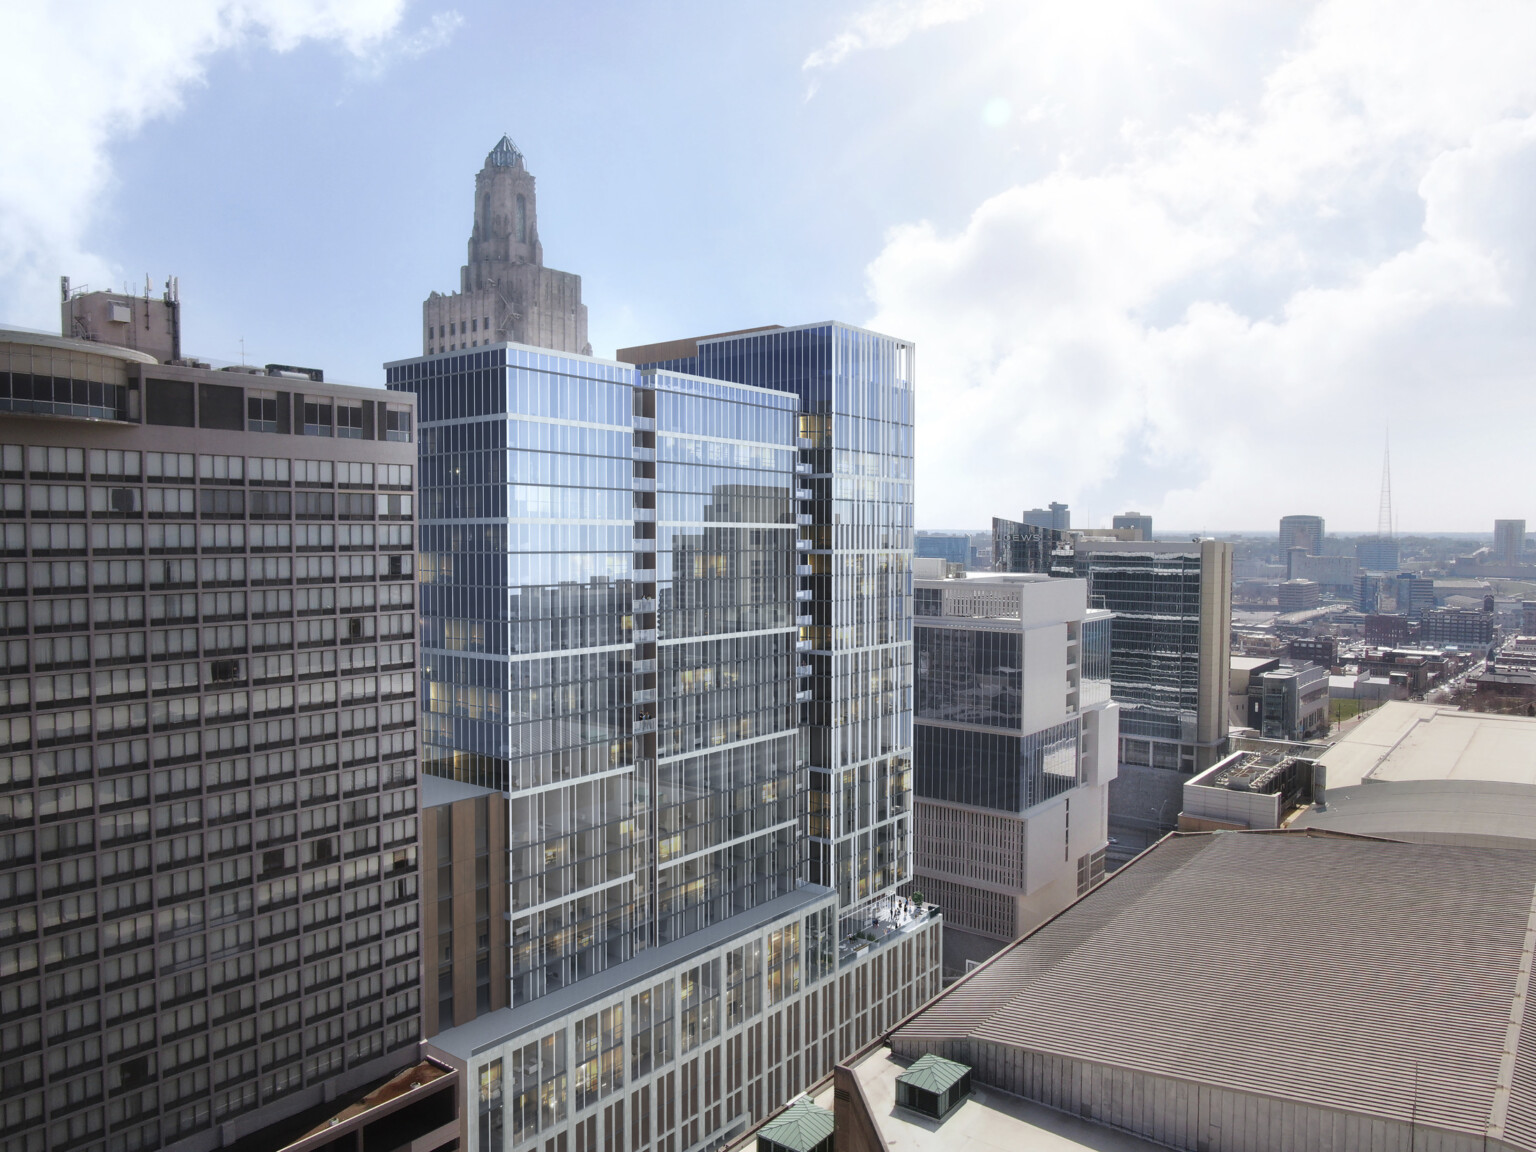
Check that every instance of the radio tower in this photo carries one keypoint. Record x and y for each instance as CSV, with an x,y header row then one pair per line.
x,y
1384,514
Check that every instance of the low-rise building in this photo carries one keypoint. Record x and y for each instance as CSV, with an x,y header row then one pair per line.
x,y
1314,649
1289,702
1461,627
1298,595
1247,790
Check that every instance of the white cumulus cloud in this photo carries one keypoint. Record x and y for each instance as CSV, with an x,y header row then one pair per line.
x,y
81,76
1216,317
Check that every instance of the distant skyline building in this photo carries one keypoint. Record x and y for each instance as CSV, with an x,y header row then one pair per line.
x,y
1023,548
505,291
1135,520
953,549
1378,553
1016,743
1302,532
1509,541
1057,517
1298,595
1415,595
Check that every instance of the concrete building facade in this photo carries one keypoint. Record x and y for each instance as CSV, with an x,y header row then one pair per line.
x,y
1298,595
208,748
1016,741
505,291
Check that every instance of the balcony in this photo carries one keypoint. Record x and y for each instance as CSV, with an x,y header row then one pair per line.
x,y
802,545
643,667
802,468
805,621
804,594
645,727
643,635
643,604
644,454
895,918
803,570
803,696
643,423
804,518
643,696
803,645
645,515
804,494
644,484
803,669
645,546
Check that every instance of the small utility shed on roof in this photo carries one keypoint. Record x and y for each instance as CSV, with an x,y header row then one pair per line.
x,y
933,1086
802,1127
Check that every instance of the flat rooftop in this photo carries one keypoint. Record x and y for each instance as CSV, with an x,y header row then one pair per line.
x,y
1408,741
1293,970
988,1119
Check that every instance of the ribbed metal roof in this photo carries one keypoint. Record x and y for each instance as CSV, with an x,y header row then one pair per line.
x,y
1375,977
933,1073
801,1126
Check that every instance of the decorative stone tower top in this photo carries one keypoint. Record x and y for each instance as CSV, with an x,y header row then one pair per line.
x,y
506,229
505,292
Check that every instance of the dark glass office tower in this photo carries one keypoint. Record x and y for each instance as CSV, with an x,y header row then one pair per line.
x,y
855,516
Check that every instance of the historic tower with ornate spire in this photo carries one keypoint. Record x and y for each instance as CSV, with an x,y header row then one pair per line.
x,y
505,292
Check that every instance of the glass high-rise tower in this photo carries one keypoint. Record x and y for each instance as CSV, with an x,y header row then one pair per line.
x,y
854,513
667,614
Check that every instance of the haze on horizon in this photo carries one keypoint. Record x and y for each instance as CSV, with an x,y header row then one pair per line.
x,y
1179,256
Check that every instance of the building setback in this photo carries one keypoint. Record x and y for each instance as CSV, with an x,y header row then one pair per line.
x,y
208,749
1016,743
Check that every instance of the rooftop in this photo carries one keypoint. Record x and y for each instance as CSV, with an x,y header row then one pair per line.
x,y
989,1121
1376,979
1468,812
801,1126
1408,741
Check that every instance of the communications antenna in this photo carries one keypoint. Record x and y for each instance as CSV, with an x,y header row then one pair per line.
x,y
1384,526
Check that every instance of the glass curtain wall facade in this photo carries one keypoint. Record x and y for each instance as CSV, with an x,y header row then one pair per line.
x,y
610,635
728,763
855,544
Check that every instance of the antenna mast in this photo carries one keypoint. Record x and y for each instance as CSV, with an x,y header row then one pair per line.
x,y
1384,527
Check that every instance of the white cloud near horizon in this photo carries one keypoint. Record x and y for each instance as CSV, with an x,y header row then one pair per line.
x,y
82,77
1209,309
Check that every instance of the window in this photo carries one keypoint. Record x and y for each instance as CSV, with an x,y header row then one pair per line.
x,y
261,410
349,421
317,417
397,423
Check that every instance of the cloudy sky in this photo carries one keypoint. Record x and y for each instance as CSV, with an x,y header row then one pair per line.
x,y
1194,258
